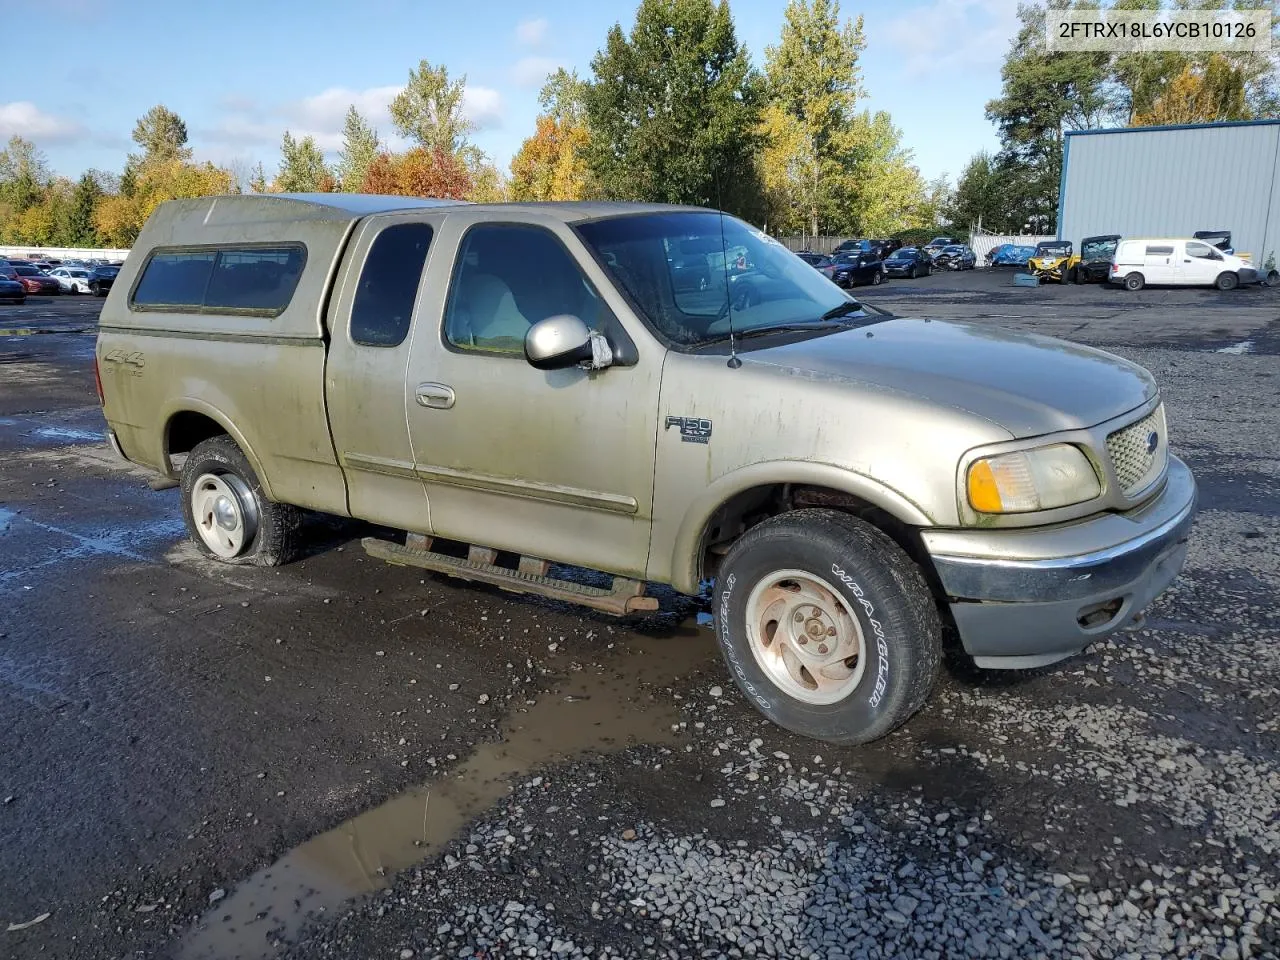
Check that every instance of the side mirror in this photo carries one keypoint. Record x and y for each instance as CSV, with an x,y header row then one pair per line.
x,y
565,341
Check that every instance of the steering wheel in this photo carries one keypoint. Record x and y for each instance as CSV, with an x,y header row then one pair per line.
x,y
739,300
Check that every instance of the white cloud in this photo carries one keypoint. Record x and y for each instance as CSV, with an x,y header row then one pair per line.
x,y
532,33
326,110
24,119
483,107
529,72
319,116
243,128
953,34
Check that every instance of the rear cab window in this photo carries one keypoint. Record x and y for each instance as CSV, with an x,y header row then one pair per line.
x,y
254,279
382,311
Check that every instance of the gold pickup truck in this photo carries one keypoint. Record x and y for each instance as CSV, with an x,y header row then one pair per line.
x,y
664,394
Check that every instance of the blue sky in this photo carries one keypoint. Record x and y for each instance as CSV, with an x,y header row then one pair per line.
x,y
239,73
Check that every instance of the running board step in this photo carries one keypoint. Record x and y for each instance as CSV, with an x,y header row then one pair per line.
x,y
626,596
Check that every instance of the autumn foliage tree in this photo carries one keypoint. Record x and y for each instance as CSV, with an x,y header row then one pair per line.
x,y
120,218
1200,94
421,172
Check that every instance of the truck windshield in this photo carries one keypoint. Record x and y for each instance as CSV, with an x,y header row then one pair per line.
x,y
689,279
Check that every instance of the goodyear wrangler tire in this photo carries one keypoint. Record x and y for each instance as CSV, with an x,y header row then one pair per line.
x,y
827,626
227,513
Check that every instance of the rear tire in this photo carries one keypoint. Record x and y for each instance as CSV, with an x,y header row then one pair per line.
x,y
1227,281
877,278
827,626
228,516
1134,281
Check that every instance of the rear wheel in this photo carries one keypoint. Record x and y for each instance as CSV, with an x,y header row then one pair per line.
x,y
877,278
827,626
1227,281
1134,281
93,288
228,515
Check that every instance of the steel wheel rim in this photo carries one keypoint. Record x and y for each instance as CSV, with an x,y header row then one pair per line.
x,y
805,637
225,514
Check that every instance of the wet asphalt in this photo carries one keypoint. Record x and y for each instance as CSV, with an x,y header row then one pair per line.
x,y
186,744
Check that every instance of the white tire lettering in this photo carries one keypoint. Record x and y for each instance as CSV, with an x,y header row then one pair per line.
x,y
728,646
882,644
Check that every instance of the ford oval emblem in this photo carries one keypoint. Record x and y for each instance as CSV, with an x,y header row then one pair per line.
x,y
1153,441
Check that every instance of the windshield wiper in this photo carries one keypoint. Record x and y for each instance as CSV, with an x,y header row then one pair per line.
x,y
842,310
775,328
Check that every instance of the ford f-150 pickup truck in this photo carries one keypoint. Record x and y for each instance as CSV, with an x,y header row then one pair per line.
x,y
663,394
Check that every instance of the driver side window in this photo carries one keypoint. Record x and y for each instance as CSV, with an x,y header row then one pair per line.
x,y
507,277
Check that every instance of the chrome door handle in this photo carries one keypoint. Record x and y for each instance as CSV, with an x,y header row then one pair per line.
x,y
436,395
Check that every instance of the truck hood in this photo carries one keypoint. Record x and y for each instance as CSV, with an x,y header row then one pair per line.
x,y
1028,384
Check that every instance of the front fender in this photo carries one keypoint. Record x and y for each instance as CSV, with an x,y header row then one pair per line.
x,y
194,405
685,551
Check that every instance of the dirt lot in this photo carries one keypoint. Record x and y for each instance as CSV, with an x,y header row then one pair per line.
x,y
344,759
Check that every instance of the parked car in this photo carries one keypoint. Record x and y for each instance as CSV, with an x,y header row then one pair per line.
x,y
819,261
846,479
908,262
36,282
955,257
857,269
877,248
1093,265
1176,261
1052,260
937,245
12,290
101,278
71,279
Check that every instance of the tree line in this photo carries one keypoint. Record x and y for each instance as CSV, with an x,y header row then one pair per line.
x,y
673,111
1046,94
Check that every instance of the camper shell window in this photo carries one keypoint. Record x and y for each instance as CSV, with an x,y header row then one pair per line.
x,y
242,278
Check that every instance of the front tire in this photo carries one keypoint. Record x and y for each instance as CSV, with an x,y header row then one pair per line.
x,y
1227,281
827,626
227,513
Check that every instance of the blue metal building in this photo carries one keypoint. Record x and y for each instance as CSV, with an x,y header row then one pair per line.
x,y
1172,181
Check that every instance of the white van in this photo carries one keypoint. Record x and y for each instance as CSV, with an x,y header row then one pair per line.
x,y
1174,261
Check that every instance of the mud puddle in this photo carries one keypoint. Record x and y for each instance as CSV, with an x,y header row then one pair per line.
x,y
603,708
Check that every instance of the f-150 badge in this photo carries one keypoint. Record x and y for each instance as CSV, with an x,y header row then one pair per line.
x,y
692,429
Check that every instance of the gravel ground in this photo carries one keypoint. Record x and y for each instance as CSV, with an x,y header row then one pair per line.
x,y
525,780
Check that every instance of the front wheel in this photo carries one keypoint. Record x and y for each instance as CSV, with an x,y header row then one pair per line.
x,y
227,513
827,626
1227,281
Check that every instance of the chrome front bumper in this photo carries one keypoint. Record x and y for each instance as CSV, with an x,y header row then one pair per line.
x,y
1029,597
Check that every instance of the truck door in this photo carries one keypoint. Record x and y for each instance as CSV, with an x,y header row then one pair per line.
x,y
369,328
554,464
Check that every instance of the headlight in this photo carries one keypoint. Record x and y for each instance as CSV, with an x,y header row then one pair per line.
x,y
1029,480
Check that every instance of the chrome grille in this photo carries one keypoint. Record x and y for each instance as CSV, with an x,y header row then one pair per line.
x,y
1136,463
